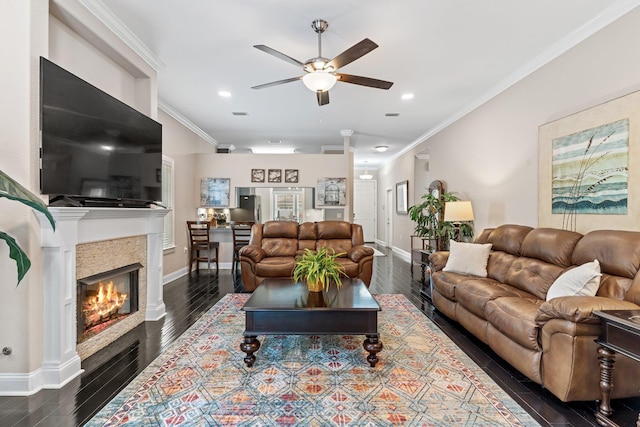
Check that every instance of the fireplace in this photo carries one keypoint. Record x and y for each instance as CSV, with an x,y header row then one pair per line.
x,y
106,298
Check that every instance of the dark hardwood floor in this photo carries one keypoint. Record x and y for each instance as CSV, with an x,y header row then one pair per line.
x,y
186,299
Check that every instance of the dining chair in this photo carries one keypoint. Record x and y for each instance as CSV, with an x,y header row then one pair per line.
x,y
201,248
241,235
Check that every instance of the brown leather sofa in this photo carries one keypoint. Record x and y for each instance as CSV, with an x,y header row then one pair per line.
x,y
551,342
274,245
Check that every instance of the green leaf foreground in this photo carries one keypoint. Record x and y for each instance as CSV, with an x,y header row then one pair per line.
x,y
12,190
16,253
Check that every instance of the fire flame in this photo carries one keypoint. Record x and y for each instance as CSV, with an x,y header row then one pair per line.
x,y
104,305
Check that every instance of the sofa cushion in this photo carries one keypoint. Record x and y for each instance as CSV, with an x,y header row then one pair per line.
x,y
468,258
350,267
474,293
334,230
617,251
583,280
516,318
499,265
280,229
533,276
550,245
279,247
508,238
339,246
275,267
445,283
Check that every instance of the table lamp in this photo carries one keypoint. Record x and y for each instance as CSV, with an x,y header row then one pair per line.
x,y
458,212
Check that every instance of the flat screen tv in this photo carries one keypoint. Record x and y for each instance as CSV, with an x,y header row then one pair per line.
x,y
95,148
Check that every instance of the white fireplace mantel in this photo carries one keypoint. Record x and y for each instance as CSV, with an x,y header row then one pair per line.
x,y
74,226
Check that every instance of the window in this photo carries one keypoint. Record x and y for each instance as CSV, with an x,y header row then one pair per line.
x,y
168,237
288,206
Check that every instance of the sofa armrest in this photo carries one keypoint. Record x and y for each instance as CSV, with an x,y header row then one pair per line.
x,y
254,252
579,309
438,260
359,252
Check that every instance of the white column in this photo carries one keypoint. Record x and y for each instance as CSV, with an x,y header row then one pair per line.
x,y
348,158
155,302
61,362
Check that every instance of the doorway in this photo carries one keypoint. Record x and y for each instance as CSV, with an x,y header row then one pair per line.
x,y
364,207
388,212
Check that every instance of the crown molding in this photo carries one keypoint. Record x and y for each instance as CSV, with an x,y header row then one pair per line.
x,y
186,122
597,23
108,18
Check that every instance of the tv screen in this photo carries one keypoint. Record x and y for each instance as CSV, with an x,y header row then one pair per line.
x,y
93,145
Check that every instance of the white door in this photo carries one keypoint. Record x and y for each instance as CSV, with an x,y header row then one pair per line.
x,y
388,213
364,207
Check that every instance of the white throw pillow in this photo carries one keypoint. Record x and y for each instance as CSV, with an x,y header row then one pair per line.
x,y
583,280
468,258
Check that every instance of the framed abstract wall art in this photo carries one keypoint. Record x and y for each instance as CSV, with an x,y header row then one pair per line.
x,y
214,192
588,169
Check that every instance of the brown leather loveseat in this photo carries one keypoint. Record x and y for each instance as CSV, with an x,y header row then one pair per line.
x,y
551,342
274,245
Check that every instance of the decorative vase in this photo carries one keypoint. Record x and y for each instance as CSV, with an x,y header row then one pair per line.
x,y
315,299
314,286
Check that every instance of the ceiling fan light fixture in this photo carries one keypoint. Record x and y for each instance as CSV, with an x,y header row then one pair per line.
x,y
319,81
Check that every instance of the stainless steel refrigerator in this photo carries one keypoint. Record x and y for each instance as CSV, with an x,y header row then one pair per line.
x,y
248,209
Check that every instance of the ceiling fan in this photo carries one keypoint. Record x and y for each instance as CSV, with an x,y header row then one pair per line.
x,y
321,73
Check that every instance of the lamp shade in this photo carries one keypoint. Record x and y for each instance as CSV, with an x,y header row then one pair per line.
x,y
458,211
319,81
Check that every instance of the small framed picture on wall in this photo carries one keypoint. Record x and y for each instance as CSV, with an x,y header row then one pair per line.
x,y
291,175
275,175
257,175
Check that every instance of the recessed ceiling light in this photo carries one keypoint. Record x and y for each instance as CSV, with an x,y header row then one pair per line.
x,y
274,141
381,148
392,114
407,96
224,94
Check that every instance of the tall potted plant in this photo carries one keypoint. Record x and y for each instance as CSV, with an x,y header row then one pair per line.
x,y
12,190
429,223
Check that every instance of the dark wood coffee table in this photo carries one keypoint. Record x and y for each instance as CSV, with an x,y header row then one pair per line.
x,y
281,307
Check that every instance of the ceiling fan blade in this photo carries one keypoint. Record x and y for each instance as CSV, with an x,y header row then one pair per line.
x,y
353,53
323,97
279,82
364,81
280,55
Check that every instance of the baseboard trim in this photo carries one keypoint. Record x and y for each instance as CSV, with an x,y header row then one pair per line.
x,y
402,253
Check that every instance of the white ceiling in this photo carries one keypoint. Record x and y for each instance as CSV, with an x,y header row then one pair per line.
x,y
451,54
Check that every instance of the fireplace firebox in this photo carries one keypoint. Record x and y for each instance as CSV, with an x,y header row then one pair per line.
x,y
106,298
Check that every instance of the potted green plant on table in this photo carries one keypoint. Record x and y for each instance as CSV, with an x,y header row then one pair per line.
x,y
12,190
430,225
318,269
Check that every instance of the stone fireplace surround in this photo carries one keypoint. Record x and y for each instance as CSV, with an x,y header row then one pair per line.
x,y
77,226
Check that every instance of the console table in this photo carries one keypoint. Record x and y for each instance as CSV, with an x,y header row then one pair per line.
x,y
620,333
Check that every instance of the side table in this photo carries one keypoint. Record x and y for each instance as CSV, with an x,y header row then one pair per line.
x,y
620,333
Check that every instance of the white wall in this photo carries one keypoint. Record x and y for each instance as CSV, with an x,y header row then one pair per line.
x,y
490,155
238,167
23,36
182,145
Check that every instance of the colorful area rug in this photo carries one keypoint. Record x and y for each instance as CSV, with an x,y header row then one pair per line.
x,y
422,379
